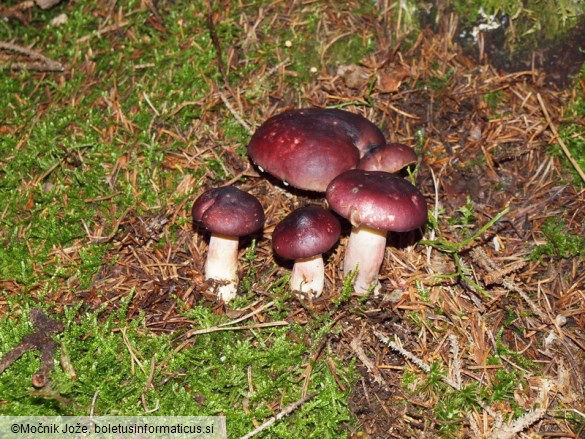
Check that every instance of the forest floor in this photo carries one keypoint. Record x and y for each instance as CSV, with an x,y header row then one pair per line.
x,y
480,327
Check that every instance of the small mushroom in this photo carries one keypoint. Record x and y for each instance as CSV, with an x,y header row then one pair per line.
x,y
391,157
307,148
375,203
304,235
228,213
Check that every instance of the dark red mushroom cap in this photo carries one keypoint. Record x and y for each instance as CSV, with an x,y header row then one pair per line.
x,y
305,232
228,211
391,157
307,148
364,134
377,199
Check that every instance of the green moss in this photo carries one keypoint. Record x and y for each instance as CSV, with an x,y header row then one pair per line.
x,y
112,361
571,132
560,243
532,20
306,48
452,405
493,99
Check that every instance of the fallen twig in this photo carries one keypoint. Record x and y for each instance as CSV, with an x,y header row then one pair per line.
x,y
236,115
115,228
426,368
411,357
112,28
456,361
250,314
235,328
46,64
481,258
16,10
216,45
357,347
189,334
510,431
286,411
497,276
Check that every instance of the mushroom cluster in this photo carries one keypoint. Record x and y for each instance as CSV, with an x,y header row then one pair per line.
x,y
330,151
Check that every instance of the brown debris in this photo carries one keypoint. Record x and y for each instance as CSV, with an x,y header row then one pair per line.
x,y
41,340
38,61
22,10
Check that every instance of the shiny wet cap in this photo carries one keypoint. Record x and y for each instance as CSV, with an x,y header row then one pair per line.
x,y
377,199
228,211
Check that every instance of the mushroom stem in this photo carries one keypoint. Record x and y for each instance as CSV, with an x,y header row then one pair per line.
x,y
365,252
308,276
222,265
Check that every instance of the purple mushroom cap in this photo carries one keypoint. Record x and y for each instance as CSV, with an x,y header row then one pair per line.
x,y
378,200
364,134
391,157
228,211
305,232
307,148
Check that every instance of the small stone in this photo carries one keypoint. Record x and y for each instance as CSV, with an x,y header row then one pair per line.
x,y
59,20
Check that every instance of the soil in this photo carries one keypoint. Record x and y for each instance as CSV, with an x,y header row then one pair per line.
x,y
559,61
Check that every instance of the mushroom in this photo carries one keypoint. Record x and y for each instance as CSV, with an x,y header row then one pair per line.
x,y
228,213
375,203
307,148
304,235
364,134
391,157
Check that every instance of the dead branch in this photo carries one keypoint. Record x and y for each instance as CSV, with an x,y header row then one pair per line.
x,y
216,45
16,10
42,63
236,115
411,357
189,334
250,314
357,346
510,431
286,411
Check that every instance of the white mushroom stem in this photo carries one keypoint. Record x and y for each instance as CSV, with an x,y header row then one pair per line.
x,y
222,265
308,276
365,252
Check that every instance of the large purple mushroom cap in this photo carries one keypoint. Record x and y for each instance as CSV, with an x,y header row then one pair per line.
x,y
307,148
305,232
378,200
229,211
364,134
